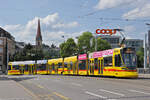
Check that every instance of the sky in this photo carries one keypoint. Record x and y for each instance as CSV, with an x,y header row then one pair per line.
x,y
70,18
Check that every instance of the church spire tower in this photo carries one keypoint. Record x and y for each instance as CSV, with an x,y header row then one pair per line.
x,y
38,35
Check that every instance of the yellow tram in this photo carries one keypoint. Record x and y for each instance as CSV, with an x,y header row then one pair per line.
x,y
118,62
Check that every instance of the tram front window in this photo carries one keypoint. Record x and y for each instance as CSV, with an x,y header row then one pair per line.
x,y
129,58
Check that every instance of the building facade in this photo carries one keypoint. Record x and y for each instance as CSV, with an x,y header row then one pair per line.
x,y
112,40
7,48
135,43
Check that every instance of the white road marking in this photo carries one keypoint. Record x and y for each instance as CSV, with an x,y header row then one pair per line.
x,y
93,94
112,92
139,92
76,84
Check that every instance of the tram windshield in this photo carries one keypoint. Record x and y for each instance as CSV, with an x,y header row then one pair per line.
x,y
129,57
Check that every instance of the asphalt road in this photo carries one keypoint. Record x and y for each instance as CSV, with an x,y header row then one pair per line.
x,y
54,87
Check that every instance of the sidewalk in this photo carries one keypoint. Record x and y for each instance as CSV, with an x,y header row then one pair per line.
x,y
144,75
10,90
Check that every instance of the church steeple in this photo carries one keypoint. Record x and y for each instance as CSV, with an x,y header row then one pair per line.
x,y
38,35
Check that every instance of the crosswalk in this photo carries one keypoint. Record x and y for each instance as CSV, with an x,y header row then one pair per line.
x,y
132,94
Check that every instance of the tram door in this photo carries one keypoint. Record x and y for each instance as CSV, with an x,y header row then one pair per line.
x,y
34,69
21,69
101,65
47,68
92,66
53,68
50,69
71,67
31,69
74,67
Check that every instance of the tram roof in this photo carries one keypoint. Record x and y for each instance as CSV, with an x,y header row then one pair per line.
x,y
55,60
69,59
22,62
41,61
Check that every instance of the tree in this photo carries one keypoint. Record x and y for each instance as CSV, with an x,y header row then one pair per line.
x,y
28,46
84,42
140,58
53,46
68,48
102,45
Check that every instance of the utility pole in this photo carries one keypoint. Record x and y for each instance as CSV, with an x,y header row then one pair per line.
x,y
148,45
95,42
6,56
145,52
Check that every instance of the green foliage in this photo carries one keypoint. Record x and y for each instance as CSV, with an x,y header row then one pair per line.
x,y
102,45
68,48
84,42
140,58
32,53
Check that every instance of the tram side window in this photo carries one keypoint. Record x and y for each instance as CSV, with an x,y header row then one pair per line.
x,y
96,63
108,61
117,60
71,65
65,65
42,66
59,65
37,67
15,67
82,64
26,68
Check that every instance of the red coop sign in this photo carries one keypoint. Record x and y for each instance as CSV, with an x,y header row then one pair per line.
x,y
106,31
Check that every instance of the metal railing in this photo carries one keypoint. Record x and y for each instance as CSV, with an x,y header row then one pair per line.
x,y
143,71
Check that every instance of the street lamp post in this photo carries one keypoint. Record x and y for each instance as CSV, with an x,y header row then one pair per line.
x,y
147,48
145,52
95,42
6,57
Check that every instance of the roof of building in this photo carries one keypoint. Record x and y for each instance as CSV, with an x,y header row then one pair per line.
x,y
133,40
4,33
109,36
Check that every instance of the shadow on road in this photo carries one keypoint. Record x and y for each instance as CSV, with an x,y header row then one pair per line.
x,y
15,78
21,78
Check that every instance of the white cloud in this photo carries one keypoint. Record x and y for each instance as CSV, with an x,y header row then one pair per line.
x,y
68,25
50,19
50,29
56,36
104,4
139,12
129,28
12,27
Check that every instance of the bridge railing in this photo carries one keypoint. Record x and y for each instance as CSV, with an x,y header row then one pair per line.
x,y
143,71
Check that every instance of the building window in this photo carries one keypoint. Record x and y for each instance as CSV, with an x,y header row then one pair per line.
x,y
1,42
0,58
1,50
